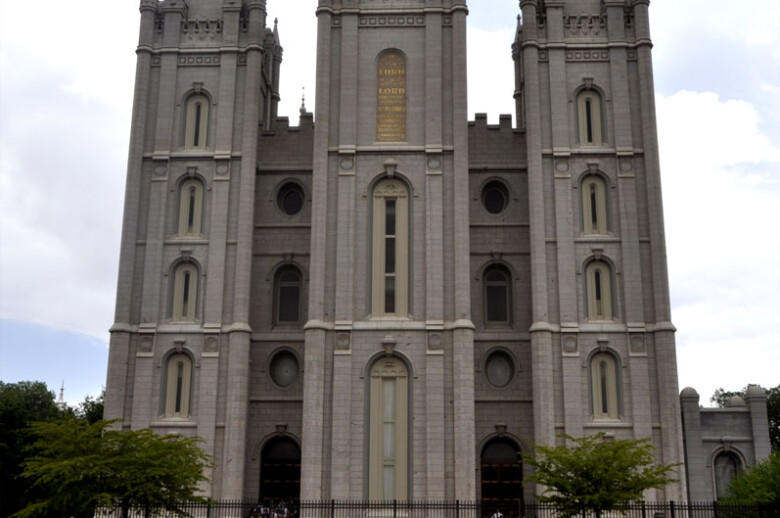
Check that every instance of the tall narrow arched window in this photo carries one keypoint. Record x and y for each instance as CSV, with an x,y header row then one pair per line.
x,y
594,205
390,250
190,208
287,295
391,97
725,467
389,420
589,118
598,289
185,293
497,293
178,386
604,387
196,122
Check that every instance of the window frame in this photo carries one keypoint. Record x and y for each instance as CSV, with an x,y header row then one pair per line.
x,y
187,209
385,370
390,189
173,392
277,294
196,125
180,289
486,284
603,368
596,119
599,291
595,187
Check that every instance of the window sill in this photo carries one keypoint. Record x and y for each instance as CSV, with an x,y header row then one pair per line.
x,y
170,422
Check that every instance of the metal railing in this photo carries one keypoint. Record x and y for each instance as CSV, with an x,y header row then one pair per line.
x,y
444,509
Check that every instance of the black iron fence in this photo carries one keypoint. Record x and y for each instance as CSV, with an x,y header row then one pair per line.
x,y
448,509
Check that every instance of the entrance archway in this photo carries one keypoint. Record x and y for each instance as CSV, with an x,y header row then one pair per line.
x,y
280,470
502,477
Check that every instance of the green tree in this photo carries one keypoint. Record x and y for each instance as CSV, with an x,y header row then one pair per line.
x,y
78,466
759,485
20,404
91,410
595,474
721,398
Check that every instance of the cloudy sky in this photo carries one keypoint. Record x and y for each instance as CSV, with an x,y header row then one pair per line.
x,y
66,79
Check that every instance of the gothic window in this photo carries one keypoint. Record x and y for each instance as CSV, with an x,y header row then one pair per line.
x,y
185,293
497,293
589,117
390,250
287,295
726,467
388,429
604,387
196,122
594,205
178,386
598,289
190,208
495,197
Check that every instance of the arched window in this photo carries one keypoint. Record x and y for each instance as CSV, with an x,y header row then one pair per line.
x,y
178,386
390,250
497,295
598,288
190,208
196,122
725,467
604,387
388,456
287,295
594,205
589,118
185,293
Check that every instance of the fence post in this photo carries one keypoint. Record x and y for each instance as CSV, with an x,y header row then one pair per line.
x,y
671,508
332,508
457,508
395,508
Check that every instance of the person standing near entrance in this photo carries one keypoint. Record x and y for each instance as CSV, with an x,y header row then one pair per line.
x,y
497,514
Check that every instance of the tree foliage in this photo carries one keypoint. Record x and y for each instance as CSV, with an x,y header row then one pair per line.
x,y
759,485
595,473
721,398
20,404
78,466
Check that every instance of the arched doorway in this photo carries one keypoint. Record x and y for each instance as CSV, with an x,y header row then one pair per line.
x,y
280,470
502,477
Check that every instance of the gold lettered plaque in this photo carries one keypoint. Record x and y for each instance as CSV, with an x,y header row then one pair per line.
x,y
391,98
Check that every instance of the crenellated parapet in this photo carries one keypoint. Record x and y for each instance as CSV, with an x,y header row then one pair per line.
x,y
288,146
492,145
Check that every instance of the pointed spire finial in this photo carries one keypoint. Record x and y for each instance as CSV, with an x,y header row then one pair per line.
x,y
303,100
61,400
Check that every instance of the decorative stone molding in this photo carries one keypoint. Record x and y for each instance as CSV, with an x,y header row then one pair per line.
x,y
584,25
343,341
211,345
199,60
637,342
391,21
389,342
570,344
435,342
581,56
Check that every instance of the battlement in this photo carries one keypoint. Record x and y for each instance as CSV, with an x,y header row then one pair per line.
x,y
480,121
287,146
495,144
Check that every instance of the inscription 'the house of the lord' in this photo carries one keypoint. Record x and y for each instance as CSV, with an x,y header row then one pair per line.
x,y
391,98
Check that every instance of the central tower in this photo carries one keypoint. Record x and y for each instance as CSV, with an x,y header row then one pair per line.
x,y
389,347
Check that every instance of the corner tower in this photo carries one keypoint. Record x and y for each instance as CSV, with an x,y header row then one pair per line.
x,y
602,340
207,75
388,394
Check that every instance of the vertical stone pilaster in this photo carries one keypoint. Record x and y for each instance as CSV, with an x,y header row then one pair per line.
x,y
207,403
313,401
434,413
236,419
341,417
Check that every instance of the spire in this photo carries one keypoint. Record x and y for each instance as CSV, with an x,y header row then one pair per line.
x,y
61,401
519,31
276,31
303,101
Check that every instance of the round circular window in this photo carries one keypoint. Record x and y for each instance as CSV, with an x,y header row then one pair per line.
x,y
284,368
499,368
290,198
495,197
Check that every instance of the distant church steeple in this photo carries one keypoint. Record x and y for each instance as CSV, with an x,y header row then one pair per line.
x,y
61,401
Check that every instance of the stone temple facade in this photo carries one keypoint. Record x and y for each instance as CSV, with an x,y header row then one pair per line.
x,y
391,303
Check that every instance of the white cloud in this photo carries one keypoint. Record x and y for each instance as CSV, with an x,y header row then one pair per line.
x,y
721,180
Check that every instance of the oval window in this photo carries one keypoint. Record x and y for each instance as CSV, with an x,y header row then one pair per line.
x,y
499,368
495,197
290,198
284,369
